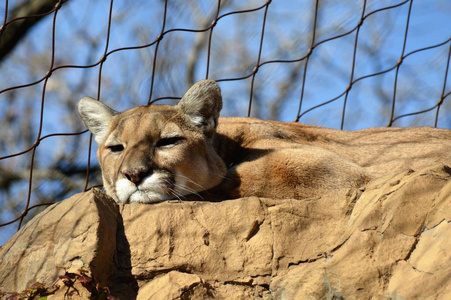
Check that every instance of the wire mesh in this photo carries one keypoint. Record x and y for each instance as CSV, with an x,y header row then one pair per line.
x,y
219,40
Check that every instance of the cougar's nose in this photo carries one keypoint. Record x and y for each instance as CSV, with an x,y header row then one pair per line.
x,y
136,175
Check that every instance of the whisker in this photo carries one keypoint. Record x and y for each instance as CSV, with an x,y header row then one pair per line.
x,y
191,181
190,190
215,174
178,190
172,191
175,194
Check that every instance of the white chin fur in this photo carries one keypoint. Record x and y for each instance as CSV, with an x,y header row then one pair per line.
x,y
151,190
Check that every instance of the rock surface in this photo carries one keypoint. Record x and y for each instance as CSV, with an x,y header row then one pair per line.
x,y
390,240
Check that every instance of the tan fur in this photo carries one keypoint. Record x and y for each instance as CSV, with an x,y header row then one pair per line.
x,y
243,156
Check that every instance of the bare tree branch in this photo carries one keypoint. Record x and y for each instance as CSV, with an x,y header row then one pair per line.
x,y
199,44
13,32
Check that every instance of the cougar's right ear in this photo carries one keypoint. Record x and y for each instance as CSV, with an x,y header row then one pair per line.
x,y
202,104
96,116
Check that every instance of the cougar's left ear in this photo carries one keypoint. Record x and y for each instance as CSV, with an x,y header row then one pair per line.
x,y
202,104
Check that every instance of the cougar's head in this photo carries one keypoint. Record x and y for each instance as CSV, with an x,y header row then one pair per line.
x,y
158,152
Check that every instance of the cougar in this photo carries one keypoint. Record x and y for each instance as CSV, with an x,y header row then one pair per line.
x,y
154,153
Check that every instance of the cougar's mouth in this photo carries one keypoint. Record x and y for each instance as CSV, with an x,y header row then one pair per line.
x,y
152,189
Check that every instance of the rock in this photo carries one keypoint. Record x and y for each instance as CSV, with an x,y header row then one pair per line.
x,y
169,286
349,244
77,233
383,250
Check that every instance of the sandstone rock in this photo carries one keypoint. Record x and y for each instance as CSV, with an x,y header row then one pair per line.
x,y
391,226
79,232
169,286
385,241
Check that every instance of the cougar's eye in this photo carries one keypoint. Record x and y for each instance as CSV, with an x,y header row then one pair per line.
x,y
168,142
115,148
